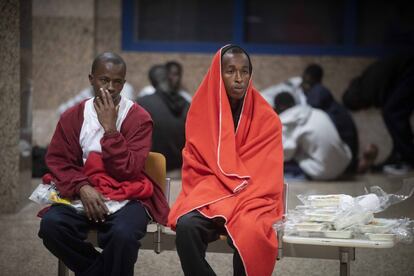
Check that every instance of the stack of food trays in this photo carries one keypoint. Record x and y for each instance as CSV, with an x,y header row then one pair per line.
x,y
338,217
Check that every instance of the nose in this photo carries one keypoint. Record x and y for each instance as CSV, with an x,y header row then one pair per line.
x,y
111,86
238,77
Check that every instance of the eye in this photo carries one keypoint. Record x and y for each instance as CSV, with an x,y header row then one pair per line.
x,y
104,80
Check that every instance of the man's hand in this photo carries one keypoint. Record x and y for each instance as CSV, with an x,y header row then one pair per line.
x,y
106,110
94,203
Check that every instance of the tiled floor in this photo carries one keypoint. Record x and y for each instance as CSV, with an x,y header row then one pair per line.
x,y
22,253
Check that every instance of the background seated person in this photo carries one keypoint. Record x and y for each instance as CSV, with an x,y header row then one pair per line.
x,y
292,85
168,110
318,96
311,140
388,84
175,74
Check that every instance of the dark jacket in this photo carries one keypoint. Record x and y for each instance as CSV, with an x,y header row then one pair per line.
x,y
320,97
168,115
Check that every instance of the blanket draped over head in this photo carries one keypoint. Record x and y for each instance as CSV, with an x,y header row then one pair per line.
x,y
235,175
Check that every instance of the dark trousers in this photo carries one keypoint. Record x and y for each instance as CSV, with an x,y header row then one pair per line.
x,y
64,231
397,110
291,170
194,232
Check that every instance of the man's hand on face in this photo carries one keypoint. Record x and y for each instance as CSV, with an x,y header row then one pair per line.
x,y
94,203
106,110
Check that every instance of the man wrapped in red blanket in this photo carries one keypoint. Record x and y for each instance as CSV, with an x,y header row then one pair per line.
x,y
232,172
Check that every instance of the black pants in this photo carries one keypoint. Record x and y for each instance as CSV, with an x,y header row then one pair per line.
x,y
397,111
64,231
194,232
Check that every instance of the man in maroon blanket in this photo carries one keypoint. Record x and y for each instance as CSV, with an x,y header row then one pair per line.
x,y
97,155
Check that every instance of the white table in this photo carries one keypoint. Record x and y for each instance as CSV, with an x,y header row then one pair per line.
x,y
344,247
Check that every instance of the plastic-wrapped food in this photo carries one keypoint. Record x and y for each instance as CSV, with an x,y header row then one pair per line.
x,y
368,203
47,194
386,200
311,226
378,226
351,218
336,200
343,216
403,231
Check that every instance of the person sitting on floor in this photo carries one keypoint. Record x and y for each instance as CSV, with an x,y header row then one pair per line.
x,y
97,154
318,96
292,85
311,144
388,84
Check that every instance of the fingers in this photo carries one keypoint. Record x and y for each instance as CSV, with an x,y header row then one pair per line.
x,y
96,105
103,205
95,213
94,205
98,102
105,100
99,212
108,99
87,211
92,214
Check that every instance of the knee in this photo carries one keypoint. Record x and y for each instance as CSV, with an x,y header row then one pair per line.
x,y
124,234
50,225
186,224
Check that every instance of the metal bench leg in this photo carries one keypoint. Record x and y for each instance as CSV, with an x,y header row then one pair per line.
x,y
279,245
346,255
62,269
157,239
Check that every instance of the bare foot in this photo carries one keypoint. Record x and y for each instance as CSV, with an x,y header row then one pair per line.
x,y
368,158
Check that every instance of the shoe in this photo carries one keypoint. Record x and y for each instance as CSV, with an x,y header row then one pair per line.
x,y
397,169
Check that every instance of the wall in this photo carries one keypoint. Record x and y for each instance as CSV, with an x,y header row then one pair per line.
x,y
63,47
15,115
65,77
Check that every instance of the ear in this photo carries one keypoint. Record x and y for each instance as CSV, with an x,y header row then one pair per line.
x,y
90,76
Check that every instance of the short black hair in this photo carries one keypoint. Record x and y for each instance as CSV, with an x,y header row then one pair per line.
x,y
153,73
315,71
107,57
282,101
235,49
174,63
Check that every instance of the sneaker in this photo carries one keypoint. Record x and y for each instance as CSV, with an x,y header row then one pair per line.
x,y
397,169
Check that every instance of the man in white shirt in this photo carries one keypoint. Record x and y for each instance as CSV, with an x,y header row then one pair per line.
x,y
311,139
292,86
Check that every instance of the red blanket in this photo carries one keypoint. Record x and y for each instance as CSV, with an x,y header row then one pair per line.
x,y
109,187
234,175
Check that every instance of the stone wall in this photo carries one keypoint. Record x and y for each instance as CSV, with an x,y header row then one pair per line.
x,y
15,127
